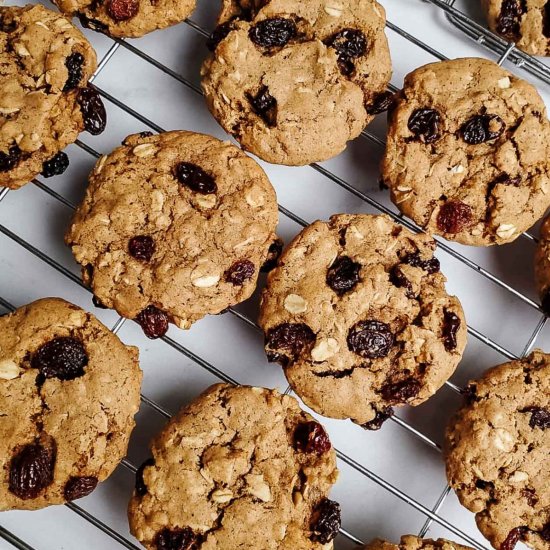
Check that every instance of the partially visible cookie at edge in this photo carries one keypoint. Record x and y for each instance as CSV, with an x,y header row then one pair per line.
x,y
542,265
69,390
45,65
468,152
239,467
173,227
357,314
412,542
497,452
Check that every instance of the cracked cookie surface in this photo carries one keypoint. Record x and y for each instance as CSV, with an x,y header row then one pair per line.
x,y
525,22
294,81
69,390
45,64
412,542
497,452
468,154
357,314
239,467
173,227
127,18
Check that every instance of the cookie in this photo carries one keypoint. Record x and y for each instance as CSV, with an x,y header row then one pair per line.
x,y
411,542
497,452
127,18
240,467
524,22
294,81
468,152
357,314
45,64
542,265
69,390
173,227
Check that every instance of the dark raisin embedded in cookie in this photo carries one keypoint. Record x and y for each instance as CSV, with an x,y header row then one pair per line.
x,y
454,216
74,66
141,488
264,105
514,536
274,251
290,337
89,23
349,45
122,10
378,420
424,124
93,111
398,278
325,521
273,33
31,469
545,302
64,358
381,102
400,392
177,539
545,533
482,128
239,272
370,339
343,274
540,417
153,321
9,160
218,34
141,247
98,303
56,165
78,487
430,266
451,324
195,178
311,437
508,21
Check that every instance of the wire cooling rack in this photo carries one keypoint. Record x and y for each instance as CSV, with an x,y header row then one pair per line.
x,y
392,482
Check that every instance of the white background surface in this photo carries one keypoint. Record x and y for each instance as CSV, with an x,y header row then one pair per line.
x,y
395,454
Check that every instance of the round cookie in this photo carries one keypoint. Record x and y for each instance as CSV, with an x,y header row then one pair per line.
x,y
524,22
497,452
357,314
240,467
542,265
127,18
45,64
173,227
412,542
294,81
468,152
69,390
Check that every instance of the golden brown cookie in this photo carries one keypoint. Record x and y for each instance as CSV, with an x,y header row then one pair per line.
x,y
69,390
542,265
357,314
45,64
497,451
411,542
239,467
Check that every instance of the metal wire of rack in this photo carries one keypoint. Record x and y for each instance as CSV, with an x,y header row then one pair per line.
x,y
497,46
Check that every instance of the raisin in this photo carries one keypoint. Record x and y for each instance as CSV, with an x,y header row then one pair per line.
x,y
274,251
530,495
153,321
89,23
93,111
74,66
540,417
424,124
453,217
64,358
545,302
349,44
482,128
370,339
545,533
273,33
78,487
7,26
400,392
451,324
290,337
379,419
381,102
122,10
470,394
311,437
9,160
398,278
98,303
141,488
325,521
195,178
484,485
239,272
513,537
264,105
176,539
431,266
508,21
141,247
56,165
546,20
218,34
31,470
343,275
